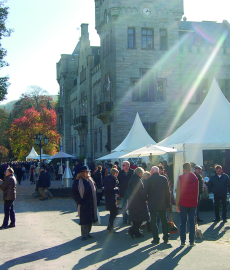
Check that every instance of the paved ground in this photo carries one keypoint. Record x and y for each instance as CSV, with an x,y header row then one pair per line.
x,y
47,236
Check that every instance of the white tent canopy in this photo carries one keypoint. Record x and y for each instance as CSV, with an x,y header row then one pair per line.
x,y
114,155
208,128
149,150
32,155
43,156
137,137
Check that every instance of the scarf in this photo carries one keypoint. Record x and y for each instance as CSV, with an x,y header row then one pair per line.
x,y
81,190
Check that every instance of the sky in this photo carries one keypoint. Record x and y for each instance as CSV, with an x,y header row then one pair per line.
x,y
45,29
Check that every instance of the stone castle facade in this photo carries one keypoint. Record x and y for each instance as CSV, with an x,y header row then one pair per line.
x,y
150,61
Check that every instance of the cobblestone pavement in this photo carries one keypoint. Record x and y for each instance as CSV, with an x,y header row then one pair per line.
x,y
47,236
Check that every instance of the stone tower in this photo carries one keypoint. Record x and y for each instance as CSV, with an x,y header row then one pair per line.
x,y
134,36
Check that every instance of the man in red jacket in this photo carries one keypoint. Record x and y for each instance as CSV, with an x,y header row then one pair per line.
x,y
186,202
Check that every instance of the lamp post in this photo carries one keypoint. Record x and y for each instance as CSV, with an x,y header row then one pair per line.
x,y
38,141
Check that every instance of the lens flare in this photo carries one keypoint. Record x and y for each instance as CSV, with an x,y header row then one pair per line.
x,y
198,81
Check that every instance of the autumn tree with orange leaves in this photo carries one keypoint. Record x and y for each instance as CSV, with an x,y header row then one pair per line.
x,y
23,131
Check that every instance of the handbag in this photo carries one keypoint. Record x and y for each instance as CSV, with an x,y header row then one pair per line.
x,y
172,228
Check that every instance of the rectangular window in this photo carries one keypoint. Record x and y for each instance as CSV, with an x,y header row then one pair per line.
x,y
107,44
100,132
72,118
131,38
202,91
60,120
147,86
163,40
225,87
135,89
72,143
147,38
161,89
111,41
107,89
151,128
75,144
104,48
83,74
108,138
95,103
95,140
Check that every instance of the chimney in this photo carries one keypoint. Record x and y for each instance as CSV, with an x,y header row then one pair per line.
x,y
84,29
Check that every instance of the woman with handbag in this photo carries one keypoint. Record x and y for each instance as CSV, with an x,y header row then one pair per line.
x,y
111,189
84,194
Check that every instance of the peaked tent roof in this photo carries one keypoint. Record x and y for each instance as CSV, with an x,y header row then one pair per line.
x,y
208,125
137,137
32,154
61,155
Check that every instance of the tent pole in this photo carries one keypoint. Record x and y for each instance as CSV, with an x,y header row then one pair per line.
x,y
62,174
151,159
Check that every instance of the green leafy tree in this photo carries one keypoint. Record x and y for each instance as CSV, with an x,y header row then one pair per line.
x,y
35,97
4,32
5,151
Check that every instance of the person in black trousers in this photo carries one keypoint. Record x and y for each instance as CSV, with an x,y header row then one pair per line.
x,y
137,205
219,184
9,195
19,173
97,177
111,189
157,189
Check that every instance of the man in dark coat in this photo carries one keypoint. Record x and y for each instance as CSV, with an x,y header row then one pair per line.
x,y
42,183
2,171
111,189
9,195
137,205
123,178
76,169
48,183
157,189
97,177
19,173
219,184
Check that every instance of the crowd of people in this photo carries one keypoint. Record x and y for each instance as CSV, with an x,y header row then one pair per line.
x,y
145,196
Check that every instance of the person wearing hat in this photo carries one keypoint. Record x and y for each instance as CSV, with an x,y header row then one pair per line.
x,y
197,172
84,194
